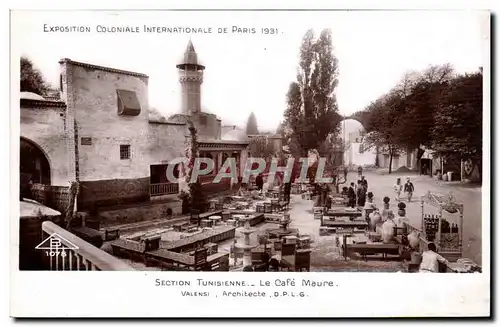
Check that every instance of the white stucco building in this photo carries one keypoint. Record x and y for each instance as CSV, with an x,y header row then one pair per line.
x,y
356,152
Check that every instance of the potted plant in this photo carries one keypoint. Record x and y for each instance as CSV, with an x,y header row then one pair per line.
x,y
386,202
369,196
401,209
186,202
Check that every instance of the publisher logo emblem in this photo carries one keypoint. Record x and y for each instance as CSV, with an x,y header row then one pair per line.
x,y
55,245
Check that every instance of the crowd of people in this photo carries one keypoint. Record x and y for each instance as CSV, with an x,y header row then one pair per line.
x,y
356,193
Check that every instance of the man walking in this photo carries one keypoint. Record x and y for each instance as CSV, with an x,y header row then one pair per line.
x,y
409,189
361,194
287,190
259,182
398,188
364,182
360,171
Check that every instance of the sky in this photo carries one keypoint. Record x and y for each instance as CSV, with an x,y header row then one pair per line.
x,y
251,72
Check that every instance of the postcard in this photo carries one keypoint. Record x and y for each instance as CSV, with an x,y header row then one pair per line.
x,y
160,156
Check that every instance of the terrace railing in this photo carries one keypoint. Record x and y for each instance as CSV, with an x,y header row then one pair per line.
x,y
206,179
163,189
65,251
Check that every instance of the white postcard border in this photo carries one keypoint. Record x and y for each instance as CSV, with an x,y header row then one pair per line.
x,y
134,294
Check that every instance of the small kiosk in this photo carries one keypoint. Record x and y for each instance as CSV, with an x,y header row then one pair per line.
x,y
447,233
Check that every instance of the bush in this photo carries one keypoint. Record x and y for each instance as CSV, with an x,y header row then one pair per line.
x,y
186,202
198,198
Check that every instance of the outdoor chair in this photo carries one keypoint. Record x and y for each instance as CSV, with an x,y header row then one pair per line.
x,y
195,217
287,249
200,259
302,260
275,205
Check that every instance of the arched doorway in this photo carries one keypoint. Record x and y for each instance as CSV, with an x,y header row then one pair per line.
x,y
33,164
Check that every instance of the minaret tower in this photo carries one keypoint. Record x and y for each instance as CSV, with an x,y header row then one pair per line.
x,y
191,77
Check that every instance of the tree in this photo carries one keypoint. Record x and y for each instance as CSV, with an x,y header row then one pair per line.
x,y
280,130
32,79
252,128
195,199
333,149
458,121
385,121
312,111
364,118
261,147
422,94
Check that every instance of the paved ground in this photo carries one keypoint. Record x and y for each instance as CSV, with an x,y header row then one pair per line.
x,y
327,257
382,185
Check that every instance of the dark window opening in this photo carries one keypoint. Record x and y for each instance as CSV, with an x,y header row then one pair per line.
x,y
124,151
128,103
158,173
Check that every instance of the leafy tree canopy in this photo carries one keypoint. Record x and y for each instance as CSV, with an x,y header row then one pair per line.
x,y
312,112
459,118
32,79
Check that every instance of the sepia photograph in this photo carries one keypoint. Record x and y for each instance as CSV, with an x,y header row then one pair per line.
x,y
401,171
322,141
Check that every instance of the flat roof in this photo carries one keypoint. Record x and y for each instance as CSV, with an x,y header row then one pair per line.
x,y
103,68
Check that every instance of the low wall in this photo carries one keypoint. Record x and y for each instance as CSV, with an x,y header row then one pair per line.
x,y
143,212
55,197
30,235
212,188
112,192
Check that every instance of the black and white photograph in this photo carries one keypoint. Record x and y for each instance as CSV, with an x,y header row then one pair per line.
x,y
253,141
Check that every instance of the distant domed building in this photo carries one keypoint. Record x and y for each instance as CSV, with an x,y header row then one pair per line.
x,y
156,116
356,152
235,134
31,96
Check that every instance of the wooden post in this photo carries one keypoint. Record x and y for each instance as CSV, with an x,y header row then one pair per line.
x,y
438,241
460,230
422,222
461,169
344,246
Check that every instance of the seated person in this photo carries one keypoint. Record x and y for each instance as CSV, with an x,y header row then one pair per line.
x,y
274,265
264,266
431,259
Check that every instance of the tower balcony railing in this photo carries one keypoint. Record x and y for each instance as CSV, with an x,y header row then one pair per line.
x,y
191,74
73,253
